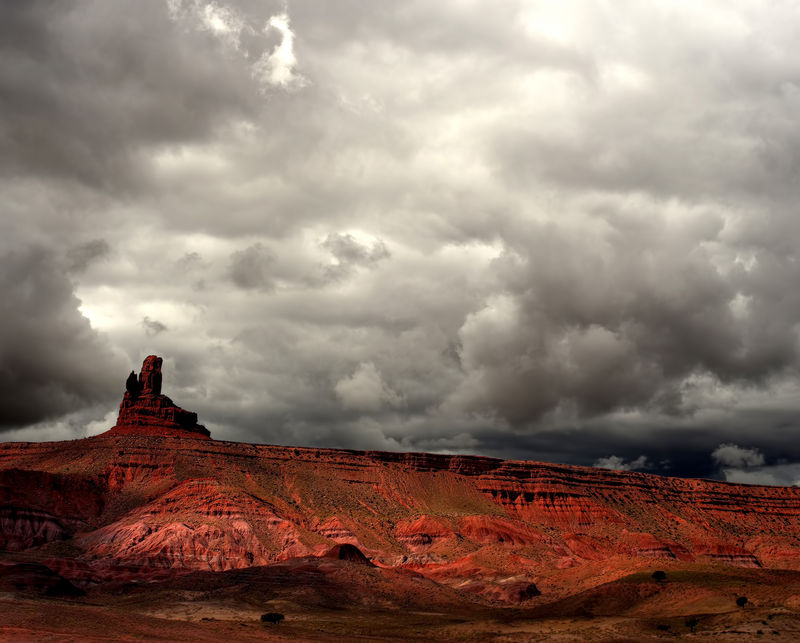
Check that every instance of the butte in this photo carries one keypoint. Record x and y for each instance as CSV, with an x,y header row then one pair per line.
x,y
146,411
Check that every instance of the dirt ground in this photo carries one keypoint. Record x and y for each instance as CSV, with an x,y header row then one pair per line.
x,y
691,604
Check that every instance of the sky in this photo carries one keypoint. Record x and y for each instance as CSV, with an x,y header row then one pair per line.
x,y
531,230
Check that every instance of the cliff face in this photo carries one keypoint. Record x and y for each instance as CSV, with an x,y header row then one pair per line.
x,y
141,504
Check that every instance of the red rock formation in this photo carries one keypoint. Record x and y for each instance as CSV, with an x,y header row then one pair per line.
x,y
347,552
491,529
131,503
335,529
145,410
420,534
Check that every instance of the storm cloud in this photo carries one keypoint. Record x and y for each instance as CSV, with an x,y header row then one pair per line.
x,y
53,362
563,232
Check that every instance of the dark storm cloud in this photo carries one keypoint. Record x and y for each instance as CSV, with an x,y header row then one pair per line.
x,y
528,230
624,321
86,86
51,361
678,446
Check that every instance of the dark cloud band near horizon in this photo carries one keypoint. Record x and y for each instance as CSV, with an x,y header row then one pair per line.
x,y
562,232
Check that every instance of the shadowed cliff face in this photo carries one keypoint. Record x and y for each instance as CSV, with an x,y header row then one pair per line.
x,y
142,504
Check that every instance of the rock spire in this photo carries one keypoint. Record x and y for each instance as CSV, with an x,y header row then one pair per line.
x,y
144,409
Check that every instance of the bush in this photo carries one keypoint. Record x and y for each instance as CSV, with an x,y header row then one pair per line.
x,y
272,617
692,622
531,590
741,601
659,575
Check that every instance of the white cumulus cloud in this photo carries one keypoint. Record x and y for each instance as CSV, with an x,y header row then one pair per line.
x,y
365,390
732,455
277,68
618,464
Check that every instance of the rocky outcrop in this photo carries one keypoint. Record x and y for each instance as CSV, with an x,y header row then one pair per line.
x,y
178,545
23,528
145,410
491,529
349,553
198,524
335,529
420,534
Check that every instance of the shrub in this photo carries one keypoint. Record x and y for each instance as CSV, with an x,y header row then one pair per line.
x,y
531,590
659,576
272,617
741,601
692,622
